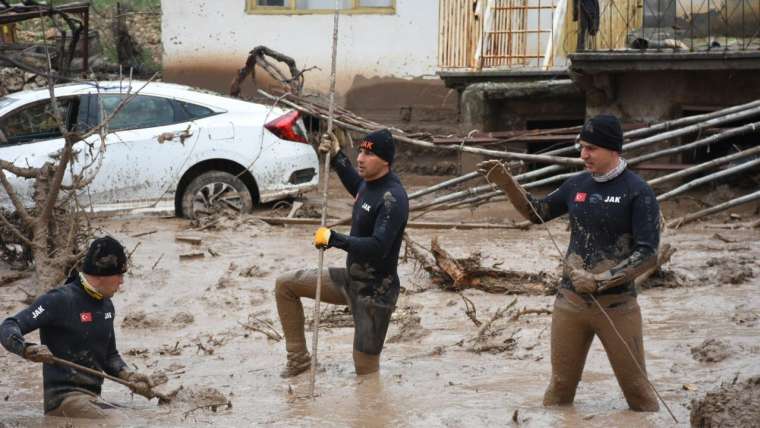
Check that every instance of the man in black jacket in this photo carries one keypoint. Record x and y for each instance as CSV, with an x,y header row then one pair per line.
x,y
369,283
614,236
76,324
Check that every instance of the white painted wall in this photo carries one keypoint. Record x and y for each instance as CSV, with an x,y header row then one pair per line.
x,y
403,45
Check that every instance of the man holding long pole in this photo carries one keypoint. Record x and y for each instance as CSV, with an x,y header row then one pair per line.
x,y
369,283
76,326
614,221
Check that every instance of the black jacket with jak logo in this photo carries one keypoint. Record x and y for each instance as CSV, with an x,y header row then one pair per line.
x,y
75,327
379,216
614,225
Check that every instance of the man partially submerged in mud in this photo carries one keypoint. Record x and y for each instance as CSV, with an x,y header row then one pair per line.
x,y
369,283
76,324
614,220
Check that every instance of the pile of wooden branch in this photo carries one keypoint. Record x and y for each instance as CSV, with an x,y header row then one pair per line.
x,y
643,144
454,274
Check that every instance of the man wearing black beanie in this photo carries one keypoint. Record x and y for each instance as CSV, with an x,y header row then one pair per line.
x,y
614,235
369,283
76,324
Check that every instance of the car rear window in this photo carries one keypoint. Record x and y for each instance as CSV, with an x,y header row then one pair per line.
x,y
194,111
142,111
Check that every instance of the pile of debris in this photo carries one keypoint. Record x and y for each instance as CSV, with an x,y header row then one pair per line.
x,y
453,274
734,405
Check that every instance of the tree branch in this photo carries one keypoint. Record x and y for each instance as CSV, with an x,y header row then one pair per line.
x,y
15,200
18,171
15,230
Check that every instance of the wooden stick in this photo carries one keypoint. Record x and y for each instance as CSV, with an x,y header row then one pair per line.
x,y
704,166
712,210
664,126
323,220
443,185
708,178
412,224
102,375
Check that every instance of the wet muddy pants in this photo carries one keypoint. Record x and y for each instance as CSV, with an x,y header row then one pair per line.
x,y
85,406
289,289
575,322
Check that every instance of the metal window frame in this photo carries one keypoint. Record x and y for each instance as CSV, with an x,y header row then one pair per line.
x,y
252,8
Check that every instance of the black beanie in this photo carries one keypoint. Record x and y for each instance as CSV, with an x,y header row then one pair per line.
x,y
381,143
603,131
105,257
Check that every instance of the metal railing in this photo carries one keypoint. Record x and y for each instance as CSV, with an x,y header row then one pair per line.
x,y
539,34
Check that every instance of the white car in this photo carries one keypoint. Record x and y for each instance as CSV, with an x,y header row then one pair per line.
x,y
170,147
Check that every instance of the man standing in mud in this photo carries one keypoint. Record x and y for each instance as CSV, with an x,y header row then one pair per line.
x,y
614,223
76,324
369,283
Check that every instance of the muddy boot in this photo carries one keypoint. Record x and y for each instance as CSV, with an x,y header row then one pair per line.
x,y
290,310
297,364
366,363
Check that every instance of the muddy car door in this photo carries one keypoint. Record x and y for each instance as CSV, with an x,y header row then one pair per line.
x,y
31,137
149,140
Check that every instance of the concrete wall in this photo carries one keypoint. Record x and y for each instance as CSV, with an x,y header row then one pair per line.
x,y
661,95
206,41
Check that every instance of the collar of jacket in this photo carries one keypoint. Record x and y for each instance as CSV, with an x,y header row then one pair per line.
x,y
89,289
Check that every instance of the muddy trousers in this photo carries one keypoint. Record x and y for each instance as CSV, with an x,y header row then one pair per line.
x,y
574,325
289,289
86,406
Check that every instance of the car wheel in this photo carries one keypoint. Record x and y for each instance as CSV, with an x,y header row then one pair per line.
x,y
215,192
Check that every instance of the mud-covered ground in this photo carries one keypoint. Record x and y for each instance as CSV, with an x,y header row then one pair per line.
x,y
190,320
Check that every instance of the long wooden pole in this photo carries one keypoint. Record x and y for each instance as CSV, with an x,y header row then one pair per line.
x,y
323,221
705,166
102,375
712,210
708,178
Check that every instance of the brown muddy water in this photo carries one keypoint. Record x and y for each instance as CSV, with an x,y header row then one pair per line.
x,y
184,319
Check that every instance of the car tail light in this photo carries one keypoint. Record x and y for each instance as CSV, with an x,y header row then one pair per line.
x,y
286,127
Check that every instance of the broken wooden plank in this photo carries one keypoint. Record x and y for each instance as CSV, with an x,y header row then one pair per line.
x,y
194,240
191,256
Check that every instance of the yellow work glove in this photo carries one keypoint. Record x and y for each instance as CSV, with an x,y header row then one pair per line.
x,y
322,238
583,281
329,143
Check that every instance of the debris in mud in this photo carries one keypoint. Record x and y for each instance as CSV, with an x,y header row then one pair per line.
x,y
745,317
191,256
489,336
667,278
197,398
733,269
261,325
410,327
137,352
182,319
450,273
173,350
732,405
253,271
711,351
227,279
140,319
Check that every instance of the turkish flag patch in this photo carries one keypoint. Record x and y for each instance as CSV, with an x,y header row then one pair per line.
x,y
85,317
580,197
